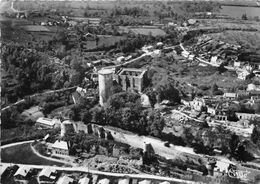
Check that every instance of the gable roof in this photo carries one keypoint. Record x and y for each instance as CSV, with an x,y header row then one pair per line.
x,y
60,145
46,121
65,180
123,181
104,181
23,171
165,182
84,180
144,182
46,171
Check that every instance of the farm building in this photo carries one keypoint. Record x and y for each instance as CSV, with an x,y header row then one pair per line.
x,y
46,122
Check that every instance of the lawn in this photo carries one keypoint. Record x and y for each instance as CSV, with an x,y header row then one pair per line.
x,y
23,154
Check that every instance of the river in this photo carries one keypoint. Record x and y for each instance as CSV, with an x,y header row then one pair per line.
x,y
238,11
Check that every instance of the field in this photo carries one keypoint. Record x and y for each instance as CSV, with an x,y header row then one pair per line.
x,y
23,154
248,39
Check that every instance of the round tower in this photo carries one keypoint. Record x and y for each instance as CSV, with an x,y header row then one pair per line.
x,y
105,82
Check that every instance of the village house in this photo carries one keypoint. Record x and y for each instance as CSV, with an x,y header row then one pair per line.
x,y
124,181
230,96
22,173
84,180
47,174
165,182
60,148
197,104
243,75
65,180
221,115
47,122
247,116
104,181
144,182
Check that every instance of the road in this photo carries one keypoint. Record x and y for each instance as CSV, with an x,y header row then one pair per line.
x,y
208,63
122,175
37,94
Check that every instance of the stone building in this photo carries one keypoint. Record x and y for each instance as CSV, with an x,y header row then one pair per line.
x,y
131,79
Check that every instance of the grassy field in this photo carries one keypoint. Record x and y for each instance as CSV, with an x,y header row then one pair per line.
x,y
23,154
248,39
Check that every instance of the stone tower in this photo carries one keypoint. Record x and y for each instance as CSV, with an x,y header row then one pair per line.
x,y
105,81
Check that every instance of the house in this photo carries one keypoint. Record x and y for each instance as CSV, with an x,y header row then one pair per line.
x,y
3,170
65,180
104,181
60,148
46,122
243,75
197,103
230,96
94,179
124,181
211,111
237,64
22,173
165,182
247,116
47,174
84,180
145,101
221,115
144,182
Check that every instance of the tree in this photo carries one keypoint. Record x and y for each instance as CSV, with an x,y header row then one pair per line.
x,y
233,144
244,17
255,136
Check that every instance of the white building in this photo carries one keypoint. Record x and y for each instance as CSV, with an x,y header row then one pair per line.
x,y
22,172
104,181
84,180
47,174
65,180
47,122
60,148
124,181
243,75
144,182
230,96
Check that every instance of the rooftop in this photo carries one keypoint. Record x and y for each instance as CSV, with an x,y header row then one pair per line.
x,y
104,181
123,181
84,180
65,180
46,171
46,121
60,145
23,171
